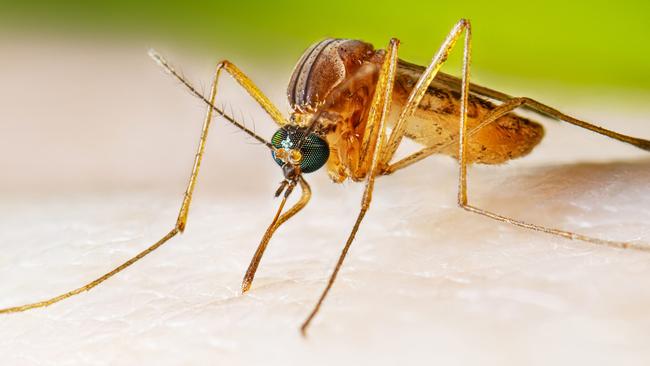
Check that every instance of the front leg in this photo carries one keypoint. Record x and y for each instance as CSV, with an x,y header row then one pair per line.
x,y
377,117
420,89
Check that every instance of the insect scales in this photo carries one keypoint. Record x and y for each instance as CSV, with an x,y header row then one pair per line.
x,y
351,107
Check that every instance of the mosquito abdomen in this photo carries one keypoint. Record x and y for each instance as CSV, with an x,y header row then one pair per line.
x,y
436,122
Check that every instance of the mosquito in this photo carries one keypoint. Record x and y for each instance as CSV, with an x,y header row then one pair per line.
x,y
351,106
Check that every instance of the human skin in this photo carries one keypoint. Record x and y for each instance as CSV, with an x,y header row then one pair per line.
x,y
94,172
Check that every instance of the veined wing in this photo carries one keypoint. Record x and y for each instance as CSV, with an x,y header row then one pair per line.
x,y
435,122
446,81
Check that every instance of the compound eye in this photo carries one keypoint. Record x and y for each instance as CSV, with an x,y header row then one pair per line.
x,y
314,150
315,153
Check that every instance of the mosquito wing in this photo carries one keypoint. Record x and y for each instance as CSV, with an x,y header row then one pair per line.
x,y
435,122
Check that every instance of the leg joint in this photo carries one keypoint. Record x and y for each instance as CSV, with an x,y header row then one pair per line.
x,y
224,64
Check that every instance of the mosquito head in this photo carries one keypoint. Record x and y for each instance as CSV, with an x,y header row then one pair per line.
x,y
297,151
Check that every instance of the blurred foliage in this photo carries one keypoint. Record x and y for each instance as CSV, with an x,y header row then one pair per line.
x,y
597,43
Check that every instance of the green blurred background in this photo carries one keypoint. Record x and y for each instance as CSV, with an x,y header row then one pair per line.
x,y
595,43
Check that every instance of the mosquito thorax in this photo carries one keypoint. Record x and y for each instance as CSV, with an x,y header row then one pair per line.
x,y
324,66
295,148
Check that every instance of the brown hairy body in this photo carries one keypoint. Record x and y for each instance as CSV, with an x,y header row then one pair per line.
x,y
336,78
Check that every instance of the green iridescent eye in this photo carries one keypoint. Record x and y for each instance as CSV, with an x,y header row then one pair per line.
x,y
314,149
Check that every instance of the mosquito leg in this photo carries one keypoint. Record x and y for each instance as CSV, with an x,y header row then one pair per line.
x,y
509,104
273,112
178,228
359,167
508,107
377,117
420,89
275,224
184,210
254,92
554,113
505,108
248,85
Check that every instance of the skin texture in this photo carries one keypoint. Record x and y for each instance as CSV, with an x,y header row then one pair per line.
x,y
425,281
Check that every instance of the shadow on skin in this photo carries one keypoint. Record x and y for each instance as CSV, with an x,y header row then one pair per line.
x,y
577,197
